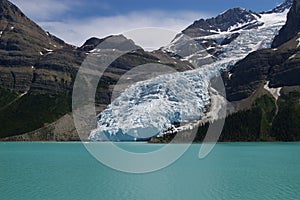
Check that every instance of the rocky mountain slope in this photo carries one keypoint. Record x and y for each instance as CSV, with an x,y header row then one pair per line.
x,y
22,44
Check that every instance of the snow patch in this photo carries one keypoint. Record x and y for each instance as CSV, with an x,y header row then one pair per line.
x,y
95,51
41,53
52,44
291,57
240,25
274,91
217,109
298,40
177,38
1,32
273,19
49,50
210,47
23,94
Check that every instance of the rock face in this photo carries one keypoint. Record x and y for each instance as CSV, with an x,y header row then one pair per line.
x,y
22,43
280,68
292,26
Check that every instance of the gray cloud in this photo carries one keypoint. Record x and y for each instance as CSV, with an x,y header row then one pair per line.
x,y
45,9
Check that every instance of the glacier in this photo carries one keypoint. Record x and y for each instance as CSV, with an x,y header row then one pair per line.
x,y
148,108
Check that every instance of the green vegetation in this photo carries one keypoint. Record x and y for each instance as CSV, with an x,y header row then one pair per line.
x,y
253,124
264,121
31,112
247,125
286,126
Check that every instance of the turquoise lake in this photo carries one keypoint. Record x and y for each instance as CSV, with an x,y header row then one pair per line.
x,y
66,171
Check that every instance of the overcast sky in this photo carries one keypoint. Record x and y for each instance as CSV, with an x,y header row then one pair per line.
x,y
77,20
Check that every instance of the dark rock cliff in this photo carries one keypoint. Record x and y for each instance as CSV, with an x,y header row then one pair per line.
x,y
291,28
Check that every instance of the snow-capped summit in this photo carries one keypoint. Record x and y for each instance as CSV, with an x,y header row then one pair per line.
x,y
216,36
227,21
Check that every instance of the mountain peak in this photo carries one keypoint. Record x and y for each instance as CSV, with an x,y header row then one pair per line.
x,y
119,42
221,23
287,4
236,9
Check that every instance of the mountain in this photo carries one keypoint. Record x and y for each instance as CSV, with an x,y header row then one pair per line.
x,y
38,72
178,101
264,91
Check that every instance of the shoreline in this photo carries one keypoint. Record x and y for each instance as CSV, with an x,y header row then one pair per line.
x,y
145,142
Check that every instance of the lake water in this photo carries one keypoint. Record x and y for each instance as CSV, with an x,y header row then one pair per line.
x,y
66,171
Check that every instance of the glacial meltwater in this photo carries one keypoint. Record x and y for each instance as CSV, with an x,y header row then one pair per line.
x,y
66,171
